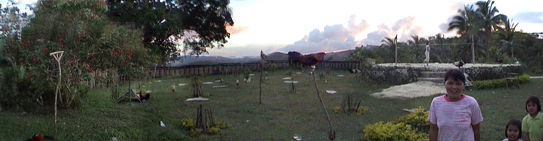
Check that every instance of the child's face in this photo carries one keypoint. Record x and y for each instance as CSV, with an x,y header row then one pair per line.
x,y
531,108
512,133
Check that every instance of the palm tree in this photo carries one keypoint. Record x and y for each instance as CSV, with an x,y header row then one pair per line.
x,y
390,45
507,33
464,22
467,24
486,12
388,42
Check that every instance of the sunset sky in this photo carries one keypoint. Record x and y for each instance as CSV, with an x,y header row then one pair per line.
x,y
329,25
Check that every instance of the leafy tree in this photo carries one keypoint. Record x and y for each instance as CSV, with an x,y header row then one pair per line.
x,y
90,43
465,22
165,22
506,35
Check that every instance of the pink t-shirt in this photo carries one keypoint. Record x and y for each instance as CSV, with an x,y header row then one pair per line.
x,y
454,119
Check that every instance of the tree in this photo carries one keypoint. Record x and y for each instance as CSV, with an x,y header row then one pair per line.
x,y
165,22
89,40
506,35
486,12
417,45
464,22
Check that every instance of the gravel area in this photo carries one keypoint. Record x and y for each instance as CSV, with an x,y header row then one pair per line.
x,y
412,90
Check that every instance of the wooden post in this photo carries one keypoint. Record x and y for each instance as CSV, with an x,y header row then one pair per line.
x,y
260,93
472,50
58,56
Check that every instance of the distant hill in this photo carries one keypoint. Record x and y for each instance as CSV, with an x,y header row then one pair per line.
x,y
210,60
275,56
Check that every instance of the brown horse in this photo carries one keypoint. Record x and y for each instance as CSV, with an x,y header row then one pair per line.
x,y
306,60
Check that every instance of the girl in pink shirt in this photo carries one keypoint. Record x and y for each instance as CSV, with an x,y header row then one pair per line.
x,y
454,116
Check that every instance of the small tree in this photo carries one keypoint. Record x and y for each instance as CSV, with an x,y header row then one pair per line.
x,y
196,87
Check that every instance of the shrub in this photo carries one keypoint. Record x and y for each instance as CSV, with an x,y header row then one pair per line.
x,y
524,78
212,130
360,111
187,123
497,83
411,127
336,109
389,131
220,124
418,120
194,132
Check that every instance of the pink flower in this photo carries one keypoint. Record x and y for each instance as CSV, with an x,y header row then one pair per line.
x,y
59,40
44,49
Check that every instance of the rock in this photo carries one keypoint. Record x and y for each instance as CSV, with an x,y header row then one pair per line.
x,y
290,82
196,99
207,83
220,86
330,92
287,78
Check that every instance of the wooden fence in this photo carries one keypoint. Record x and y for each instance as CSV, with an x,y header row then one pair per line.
x,y
239,68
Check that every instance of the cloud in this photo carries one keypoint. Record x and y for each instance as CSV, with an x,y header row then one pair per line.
x,y
244,50
530,17
332,38
236,29
404,28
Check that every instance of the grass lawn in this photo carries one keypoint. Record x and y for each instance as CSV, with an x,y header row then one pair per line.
x,y
282,115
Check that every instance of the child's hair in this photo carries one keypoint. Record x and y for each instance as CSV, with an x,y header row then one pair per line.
x,y
427,43
534,100
456,75
516,123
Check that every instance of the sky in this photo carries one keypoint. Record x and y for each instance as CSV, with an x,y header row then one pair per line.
x,y
311,26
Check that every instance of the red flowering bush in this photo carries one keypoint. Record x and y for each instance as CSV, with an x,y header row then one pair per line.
x,y
91,44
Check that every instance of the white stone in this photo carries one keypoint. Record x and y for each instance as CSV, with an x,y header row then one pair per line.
x,y
287,78
196,99
220,86
207,83
290,82
181,84
330,91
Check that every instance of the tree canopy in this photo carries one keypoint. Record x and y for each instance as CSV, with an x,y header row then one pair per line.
x,y
199,24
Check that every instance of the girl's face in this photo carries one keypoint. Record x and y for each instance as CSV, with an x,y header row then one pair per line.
x,y
531,108
454,87
512,133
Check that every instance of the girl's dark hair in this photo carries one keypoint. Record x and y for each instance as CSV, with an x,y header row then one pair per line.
x,y
456,75
516,123
534,100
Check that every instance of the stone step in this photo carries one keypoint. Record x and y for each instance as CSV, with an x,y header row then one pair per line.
x,y
433,74
431,79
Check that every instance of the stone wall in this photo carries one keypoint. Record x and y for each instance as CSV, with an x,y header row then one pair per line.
x,y
406,73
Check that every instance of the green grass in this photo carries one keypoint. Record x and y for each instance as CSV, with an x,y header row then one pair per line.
x,y
281,115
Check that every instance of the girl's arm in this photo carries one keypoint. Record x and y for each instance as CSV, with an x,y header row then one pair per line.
x,y
476,131
433,132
